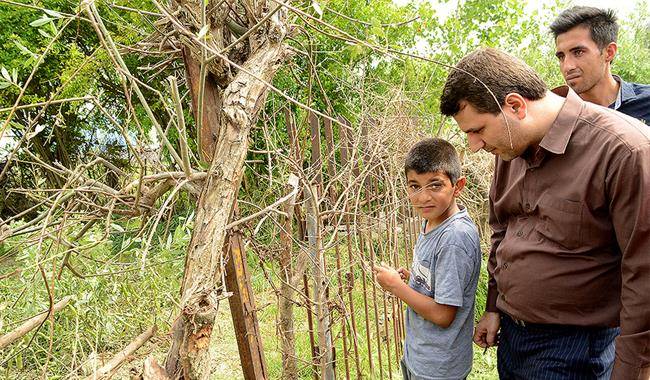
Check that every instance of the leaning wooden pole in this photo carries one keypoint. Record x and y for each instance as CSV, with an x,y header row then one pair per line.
x,y
243,310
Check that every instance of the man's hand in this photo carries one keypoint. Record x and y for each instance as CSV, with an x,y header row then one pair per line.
x,y
485,333
404,273
387,277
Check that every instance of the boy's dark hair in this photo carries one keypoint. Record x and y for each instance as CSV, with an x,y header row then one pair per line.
x,y
499,71
601,23
432,155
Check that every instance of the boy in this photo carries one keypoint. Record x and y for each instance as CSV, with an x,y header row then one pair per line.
x,y
445,270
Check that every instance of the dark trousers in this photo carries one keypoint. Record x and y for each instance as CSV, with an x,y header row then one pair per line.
x,y
536,352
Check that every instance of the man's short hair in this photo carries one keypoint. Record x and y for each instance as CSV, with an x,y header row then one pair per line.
x,y
433,155
601,23
500,72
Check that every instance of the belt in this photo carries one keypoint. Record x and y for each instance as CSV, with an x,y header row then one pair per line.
x,y
519,322
525,324
539,326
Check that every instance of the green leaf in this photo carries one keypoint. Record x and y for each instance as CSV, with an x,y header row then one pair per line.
x,y
317,8
5,74
117,227
125,243
38,129
52,13
23,49
169,242
40,22
15,125
44,33
203,31
4,84
19,361
14,75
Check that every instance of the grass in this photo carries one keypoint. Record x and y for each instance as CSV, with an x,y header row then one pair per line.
x,y
119,301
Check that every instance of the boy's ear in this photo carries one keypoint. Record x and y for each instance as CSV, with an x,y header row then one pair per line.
x,y
459,186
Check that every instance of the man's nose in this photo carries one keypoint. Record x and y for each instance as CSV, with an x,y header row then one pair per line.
x,y
475,142
567,65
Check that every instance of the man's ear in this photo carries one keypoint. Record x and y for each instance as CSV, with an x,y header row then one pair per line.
x,y
515,105
460,185
610,51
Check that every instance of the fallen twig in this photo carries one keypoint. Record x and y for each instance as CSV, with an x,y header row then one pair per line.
x,y
123,355
32,323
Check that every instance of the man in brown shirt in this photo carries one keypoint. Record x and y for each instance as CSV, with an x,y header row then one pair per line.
x,y
569,264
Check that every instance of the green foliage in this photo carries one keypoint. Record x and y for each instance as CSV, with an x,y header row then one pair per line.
x,y
633,55
350,75
113,303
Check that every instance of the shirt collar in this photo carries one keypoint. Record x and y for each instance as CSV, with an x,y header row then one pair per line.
x,y
557,137
625,92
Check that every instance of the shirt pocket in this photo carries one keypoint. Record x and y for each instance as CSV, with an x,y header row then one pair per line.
x,y
560,221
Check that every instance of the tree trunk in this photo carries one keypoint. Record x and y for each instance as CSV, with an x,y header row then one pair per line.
x,y
201,288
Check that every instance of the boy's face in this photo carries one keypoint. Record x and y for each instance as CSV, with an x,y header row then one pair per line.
x,y
433,195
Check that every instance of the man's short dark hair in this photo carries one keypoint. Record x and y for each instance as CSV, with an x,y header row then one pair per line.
x,y
601,23
500,72
433,155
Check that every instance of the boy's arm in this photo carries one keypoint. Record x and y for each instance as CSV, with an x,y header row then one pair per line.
x,y
426,307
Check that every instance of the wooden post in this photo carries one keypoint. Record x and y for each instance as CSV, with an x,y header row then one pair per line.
x,y
316,160
326,354
314,235
242,310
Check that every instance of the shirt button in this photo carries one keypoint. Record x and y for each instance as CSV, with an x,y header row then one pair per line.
x,y
505,265
519,234
527,206
503,297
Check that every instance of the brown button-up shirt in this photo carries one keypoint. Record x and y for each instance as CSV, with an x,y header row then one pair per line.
x,y
571,230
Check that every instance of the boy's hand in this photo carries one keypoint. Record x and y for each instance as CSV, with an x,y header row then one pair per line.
x,y
387,277
404,273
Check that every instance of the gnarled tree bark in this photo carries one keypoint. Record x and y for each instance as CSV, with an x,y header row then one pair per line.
x,y
239,103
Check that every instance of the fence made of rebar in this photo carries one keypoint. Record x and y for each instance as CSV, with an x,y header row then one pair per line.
x,y
350,212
